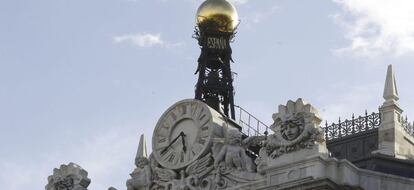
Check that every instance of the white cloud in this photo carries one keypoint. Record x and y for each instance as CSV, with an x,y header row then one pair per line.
x,y
141,40
377,27
144,40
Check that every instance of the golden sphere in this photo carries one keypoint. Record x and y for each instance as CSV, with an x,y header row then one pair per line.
x,y
219,13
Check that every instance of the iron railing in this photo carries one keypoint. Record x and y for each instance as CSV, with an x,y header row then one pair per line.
x,y
357,125
251,126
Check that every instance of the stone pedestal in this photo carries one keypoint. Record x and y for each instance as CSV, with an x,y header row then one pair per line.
x,y
389,130
317,150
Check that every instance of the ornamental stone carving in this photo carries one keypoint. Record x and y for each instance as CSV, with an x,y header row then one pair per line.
x,y
68,177
232,155
295,127
227,166
233,167
142,174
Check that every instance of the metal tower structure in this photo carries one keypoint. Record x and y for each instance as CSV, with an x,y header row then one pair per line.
x,y
215,32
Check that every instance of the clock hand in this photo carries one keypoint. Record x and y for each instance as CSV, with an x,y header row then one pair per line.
x,y
182,135
183,141
172,142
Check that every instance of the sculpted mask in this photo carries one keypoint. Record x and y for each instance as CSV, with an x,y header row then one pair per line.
x,y
295,127
291,128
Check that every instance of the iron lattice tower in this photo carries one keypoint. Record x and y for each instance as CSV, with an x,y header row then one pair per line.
x,y
215,78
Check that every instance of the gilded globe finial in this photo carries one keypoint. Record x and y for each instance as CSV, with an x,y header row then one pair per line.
x,y
217,14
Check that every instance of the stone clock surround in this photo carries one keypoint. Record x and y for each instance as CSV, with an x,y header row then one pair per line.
x,y
200,124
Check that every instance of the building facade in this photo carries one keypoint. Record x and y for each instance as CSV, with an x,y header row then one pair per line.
x,y
208,143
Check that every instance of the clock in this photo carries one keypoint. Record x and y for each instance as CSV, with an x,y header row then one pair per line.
x,y
184,133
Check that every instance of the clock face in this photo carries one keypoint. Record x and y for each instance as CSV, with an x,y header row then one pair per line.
x,y
182,134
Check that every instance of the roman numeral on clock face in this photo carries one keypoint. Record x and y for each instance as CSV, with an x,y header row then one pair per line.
x,y
162,140
165,153
171,157
193,153
202,116
201,141
204,121
204,128
179,111
182,157
196,148
197,111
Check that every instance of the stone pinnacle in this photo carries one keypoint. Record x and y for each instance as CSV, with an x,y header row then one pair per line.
x,y
142,148
390,89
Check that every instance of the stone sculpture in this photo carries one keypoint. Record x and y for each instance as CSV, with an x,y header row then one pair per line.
x,y
199,170
68,177
232,165
192,178
225,167
292,127
232,154
295,127
163,178
142,174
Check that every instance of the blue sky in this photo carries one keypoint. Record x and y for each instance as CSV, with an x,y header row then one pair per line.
x,y
80,80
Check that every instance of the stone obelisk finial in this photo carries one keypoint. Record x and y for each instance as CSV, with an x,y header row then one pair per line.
x,y
142,174
391,134
142,148
390,89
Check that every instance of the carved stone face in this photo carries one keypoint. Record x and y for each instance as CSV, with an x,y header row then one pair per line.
x,y
291,128
141,162
290,131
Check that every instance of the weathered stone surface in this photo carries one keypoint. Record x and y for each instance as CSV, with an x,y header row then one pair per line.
x,y
296,135
293,157
343,175
312,168
68,177
141,177
232,156
208,147
393,140
390,87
